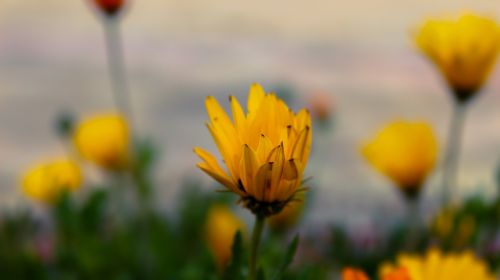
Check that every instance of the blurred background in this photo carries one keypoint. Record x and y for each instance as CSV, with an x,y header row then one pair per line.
x,y
360,53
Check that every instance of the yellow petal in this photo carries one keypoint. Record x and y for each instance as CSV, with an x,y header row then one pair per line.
x,y
239,118
248,169
279,161
219,177
302,145
255,97
263,181
263,149
211,161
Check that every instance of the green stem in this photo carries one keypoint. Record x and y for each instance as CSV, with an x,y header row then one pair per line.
x,y
452,154
256,235
414,221
116,64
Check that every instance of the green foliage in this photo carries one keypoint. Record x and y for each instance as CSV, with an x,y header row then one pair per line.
x,y
99,236
236,269
290,253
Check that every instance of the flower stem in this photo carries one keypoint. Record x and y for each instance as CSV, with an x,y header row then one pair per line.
x,y
414,222
452,154
256,235
116,65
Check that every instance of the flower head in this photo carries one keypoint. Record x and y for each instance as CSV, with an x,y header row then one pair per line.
x,y
221,227
349,273
265,150
464,49
436,265
47,181
405,152
104,140
110,7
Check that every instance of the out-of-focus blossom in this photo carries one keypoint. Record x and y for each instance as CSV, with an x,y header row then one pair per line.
x,y
444,222
110,7
44,246
288,217
353,274
265,150
320,105
405,152
436,265
221,227
466,229
452,227
397,274
464,49
104,140
47,181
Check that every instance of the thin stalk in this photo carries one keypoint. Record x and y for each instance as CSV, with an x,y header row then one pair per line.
x,y
116,66
256,235
452,154
414,221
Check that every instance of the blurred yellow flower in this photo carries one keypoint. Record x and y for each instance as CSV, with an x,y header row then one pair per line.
x,y
289,216
405,152
265,150
464,49
104,140
221,226
438,266
349,273
466,229
45,182
443,224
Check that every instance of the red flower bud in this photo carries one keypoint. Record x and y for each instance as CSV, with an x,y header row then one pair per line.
x,y
110,7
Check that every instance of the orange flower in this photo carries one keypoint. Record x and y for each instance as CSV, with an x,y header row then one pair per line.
x,y
350,273
397,274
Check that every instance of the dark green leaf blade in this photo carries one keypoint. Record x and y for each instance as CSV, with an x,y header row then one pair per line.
x,y
290,253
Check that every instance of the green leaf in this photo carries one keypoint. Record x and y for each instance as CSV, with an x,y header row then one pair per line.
x,y
145,154
260,274
234,269
65,214
290,253
93,210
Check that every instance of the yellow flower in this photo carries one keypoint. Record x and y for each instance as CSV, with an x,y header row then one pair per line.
x,y
438,266
45,182
464,49
349,273
221,227
104,140
405,152
265,150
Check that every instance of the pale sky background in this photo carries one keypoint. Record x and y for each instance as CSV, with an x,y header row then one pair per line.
x,y
178,51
